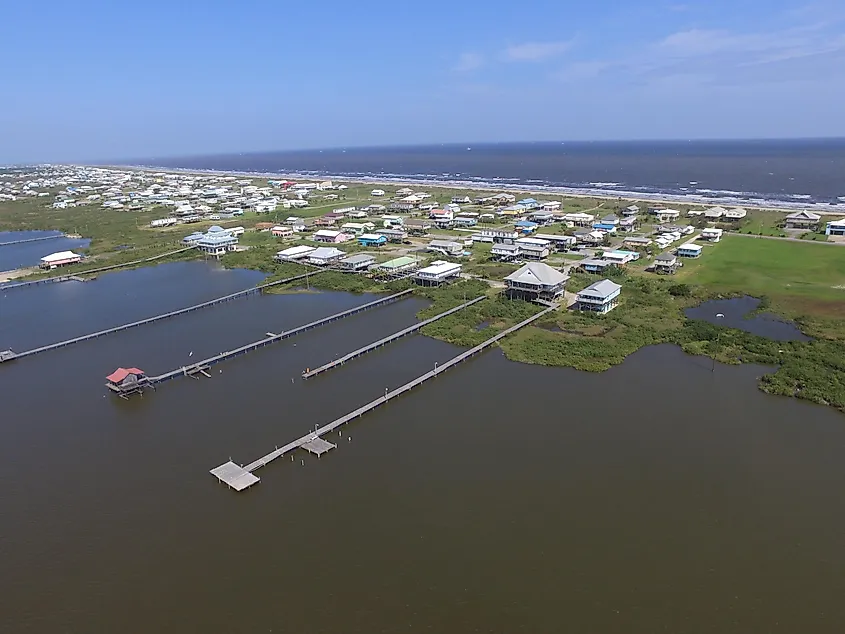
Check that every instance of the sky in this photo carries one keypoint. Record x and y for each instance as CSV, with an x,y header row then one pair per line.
x,y
93,80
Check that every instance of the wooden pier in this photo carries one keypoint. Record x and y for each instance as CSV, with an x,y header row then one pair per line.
x,y
386,340
11,242
241,477
141,322
200,366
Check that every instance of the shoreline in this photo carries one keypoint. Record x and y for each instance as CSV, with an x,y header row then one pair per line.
x,y
825,209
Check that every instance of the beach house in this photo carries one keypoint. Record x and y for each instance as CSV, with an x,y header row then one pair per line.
x,y
446,247
835,228
536,280
371,240
217,241
437,273
61,258
689,250
665,264
323,256
331,236
806,220
357,262
599,297
294,253
504,252
281,231
533,248
711,234
737,213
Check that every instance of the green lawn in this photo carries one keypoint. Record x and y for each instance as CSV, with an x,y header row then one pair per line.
x,y
800,278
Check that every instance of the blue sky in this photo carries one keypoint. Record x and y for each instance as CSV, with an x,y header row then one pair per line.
x,y
98,80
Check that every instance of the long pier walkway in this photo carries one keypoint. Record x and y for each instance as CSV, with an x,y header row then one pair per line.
x,y
386,340
25,240
102,269
240,477
149,320
200,366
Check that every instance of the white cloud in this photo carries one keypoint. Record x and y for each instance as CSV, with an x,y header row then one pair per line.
x,y
468,61
536,51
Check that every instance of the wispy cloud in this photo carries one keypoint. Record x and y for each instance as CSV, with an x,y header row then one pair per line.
x,y
468,61
723,56
536,51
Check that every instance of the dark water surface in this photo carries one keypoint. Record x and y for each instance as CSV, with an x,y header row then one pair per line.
x,y
656,497
733,314
16,256
796,171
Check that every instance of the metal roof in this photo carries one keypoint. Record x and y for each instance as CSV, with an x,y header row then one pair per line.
x,y
358,258
603,288
537,273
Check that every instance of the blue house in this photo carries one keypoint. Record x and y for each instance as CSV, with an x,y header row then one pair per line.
x,y
601,226
689,250
371,240
526,226
529,203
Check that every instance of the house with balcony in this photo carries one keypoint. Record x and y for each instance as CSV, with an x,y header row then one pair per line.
x,y
217,242
505,252
835,228
689,250
294,253
806,220
446,247
356,263
536,280
372,240
533,248
711,234
599,297
330,236
437,273
323,256
665,264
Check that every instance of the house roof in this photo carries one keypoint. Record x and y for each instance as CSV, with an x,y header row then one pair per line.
x,y
121,373
325,253
61,255
358,258
537,273
603,288
665,257
443,244
803,215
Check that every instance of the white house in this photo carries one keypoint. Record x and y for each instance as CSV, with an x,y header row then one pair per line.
x,y
714,213
737,213
294,253
437,272
533,248
163,222
835,228
713,235
332,237
803,220
62,258
377,192
446,247
666,215
324,256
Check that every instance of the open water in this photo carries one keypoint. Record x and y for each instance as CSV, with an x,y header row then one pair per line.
x,y
656,497
788,173
16,256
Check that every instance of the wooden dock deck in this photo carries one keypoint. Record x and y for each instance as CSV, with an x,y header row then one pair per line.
x,y
141,322
24,241
386,340
317,434
200,366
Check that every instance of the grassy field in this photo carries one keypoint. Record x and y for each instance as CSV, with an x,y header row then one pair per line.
x,y
799,278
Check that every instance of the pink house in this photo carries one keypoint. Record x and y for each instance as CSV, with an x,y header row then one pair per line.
x,y
332,237
281,232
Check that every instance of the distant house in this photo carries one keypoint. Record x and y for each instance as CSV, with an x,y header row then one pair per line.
x,y
461,200
600,297
666,215
281,232
331,237
628,224
561,243
533,248
835,228
595,265
61,258
438,272
505,252
737,213
715,213
630,210
525,226
536,280
323,256
610,219
392,235
543,217
418,227
665,264
446,247
217,241
689,250
712,235
192,239
371,240
803,220
377,193
579,219
637,241
397,266
357,262
441,215
621,257
551,206
294,253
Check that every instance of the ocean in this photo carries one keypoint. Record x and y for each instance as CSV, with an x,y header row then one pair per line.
x,y
787,173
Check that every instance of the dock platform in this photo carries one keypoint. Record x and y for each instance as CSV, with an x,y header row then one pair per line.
x,y
325,429
235,476
386,340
